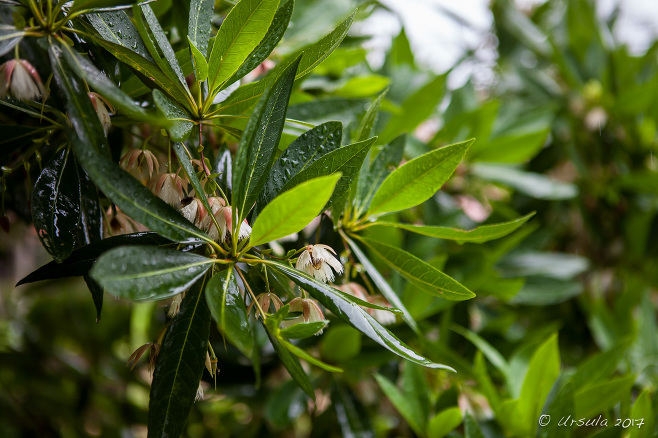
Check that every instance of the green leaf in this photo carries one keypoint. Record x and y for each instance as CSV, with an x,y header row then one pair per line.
x,y
486,348
416,108
471,427
444,422
103,85
372,177
303,330
419,272
403,404
416,390
603,396
559,404
642,409
532,184
56,205
183,156
382,285
92,152
293,210
116,27
260,142
181,124
199,25
307,357
240,33
200,63
269,42
418,180
343,307
352,416
141,273
347,160
480,234
369,119
162,41
84,5
96,295
304,151
291,363
599,367
179,367
82,259
9,37
228,310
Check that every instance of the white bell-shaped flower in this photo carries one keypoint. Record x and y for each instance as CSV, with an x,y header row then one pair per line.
x,y
310,312
22,79
317,261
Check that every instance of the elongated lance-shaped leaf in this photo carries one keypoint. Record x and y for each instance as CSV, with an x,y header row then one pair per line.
x,y
302,354
92,151
347,160
184,160
291,363
353,314
419,272
9,37
369,119
56,205
83,5
200,63
304,151
163,42
402,403
117,28
141,273
96,295
103,85
269,42
82,259
180,124
382,285
150,73
198,30
260,142
179,367
242,30
480,234
371,179
291,211
229,311
418,180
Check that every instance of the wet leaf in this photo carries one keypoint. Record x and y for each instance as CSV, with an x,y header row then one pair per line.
x,y
198,31
116,27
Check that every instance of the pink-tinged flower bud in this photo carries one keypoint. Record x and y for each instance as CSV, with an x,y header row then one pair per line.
x,y
354,289
20,78
311,312
224,215
100,106
169,187
384,317
317,261
191,209
174,307
118,222
265,300
133,162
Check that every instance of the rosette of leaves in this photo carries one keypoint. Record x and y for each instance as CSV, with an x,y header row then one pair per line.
x,y
278,192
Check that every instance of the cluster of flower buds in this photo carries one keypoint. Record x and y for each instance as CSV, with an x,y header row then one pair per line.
x,y
265,301
21,79
317,261
358,291
310,312
134,162
100,106
169,187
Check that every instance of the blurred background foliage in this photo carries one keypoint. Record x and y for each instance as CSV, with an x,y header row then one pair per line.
x,y
564,322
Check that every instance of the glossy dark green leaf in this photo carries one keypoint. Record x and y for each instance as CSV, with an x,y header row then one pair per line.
x,y
347,310
91,149
9,37
229,311
292,210
365,128
419,272
242,30
84,5
382,284
480,234
224,167
117,28
180,123
402,403
199,25
303,329
291,363
260,142
444,422
150,72
179,367
304,151
141,273
96,295
90,228
56,205
372,177
347,160
162,41
184,159
415,109
418,180
268,43
104,86
352,416
302,354
82,259
200,63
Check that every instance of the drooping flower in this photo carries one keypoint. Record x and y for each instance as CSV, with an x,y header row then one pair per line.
x,y
21,79
174,307
310,310
169,187
316,260
354,289
193,210
384,317
100,106
153,348
118,222
133,162
224,215
265,300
